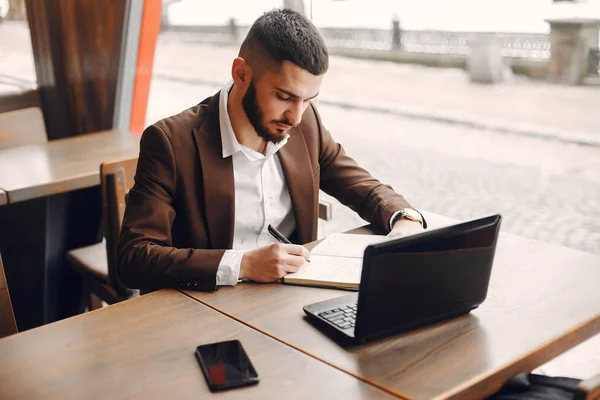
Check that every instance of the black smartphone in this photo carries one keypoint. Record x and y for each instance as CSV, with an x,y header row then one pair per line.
x,y
226,365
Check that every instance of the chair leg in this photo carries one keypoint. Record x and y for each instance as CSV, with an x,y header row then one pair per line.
x,y
84,301
95,302
89,301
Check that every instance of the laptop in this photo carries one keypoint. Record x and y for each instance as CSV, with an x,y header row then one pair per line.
x,y
414,281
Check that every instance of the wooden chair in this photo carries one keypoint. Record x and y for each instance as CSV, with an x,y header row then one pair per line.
x,y
22,127
97,263
8,326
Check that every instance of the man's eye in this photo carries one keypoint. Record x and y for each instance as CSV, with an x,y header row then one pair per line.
x,y
282,97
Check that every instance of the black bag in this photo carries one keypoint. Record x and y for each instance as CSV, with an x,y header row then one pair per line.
x,y
537,387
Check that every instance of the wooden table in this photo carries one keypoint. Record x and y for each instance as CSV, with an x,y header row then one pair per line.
x,y
63,165
542,301
144,348
53,205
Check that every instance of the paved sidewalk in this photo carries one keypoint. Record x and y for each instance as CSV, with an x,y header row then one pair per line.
x,y
520,105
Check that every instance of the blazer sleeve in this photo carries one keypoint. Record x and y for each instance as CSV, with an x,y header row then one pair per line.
x,y
352,185
146,256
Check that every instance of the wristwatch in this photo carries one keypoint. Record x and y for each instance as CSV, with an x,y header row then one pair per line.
x,y
410,214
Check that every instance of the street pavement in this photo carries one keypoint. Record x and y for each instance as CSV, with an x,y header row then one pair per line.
x,y
419,138
435,92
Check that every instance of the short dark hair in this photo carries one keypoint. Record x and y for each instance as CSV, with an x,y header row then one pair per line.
x,y
289,35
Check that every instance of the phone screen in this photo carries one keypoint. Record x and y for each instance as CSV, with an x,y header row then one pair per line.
x,y
226,365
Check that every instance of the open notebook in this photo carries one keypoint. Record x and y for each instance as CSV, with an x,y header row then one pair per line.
x,y
335,262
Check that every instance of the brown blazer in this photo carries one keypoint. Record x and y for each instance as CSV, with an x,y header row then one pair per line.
x,y
180,212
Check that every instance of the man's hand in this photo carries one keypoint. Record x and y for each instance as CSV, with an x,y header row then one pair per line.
x,y
273,262
404,227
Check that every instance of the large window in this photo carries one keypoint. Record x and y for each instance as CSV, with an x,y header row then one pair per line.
x,y
521,146
17,70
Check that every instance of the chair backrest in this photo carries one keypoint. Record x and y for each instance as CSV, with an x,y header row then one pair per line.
x,y
22,127
116,180
8,325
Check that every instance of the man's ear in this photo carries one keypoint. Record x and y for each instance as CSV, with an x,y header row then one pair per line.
x,y
241,73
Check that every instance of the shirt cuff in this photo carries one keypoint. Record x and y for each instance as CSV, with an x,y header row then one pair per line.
x,y
394,215
228,272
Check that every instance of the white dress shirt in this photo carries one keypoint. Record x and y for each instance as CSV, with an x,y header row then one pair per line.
x,y
261,196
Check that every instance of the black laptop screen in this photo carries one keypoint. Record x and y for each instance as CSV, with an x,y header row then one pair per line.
x,y
412,282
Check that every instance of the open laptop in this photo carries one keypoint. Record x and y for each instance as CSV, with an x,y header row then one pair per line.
x,y
413,281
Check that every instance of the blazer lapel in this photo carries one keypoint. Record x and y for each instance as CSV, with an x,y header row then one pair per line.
x,y
217,176
296,166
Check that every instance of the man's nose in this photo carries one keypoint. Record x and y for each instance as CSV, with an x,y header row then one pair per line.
x,y
295,113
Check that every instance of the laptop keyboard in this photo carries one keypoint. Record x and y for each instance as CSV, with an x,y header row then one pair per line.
x,y
343,317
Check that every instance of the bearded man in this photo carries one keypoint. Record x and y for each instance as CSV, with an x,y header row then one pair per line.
x,y
211,179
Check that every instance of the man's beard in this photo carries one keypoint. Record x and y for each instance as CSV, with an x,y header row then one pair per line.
x,y
256,118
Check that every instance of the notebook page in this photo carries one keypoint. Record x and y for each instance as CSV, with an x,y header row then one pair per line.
x,y
329,269
345,245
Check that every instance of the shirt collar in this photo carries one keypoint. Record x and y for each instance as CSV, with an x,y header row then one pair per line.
x,y
229,141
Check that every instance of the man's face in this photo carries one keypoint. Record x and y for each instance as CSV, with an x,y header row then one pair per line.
x,y
275,102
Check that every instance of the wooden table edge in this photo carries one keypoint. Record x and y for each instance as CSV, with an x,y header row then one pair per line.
x,y
83,181
87,135
535,358
280,340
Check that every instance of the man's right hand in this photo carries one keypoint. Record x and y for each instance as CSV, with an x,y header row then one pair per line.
x,y
273,262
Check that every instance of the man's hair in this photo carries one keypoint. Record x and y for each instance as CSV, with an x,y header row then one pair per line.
x,y
288,35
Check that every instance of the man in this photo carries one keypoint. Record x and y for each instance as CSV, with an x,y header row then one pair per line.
x,y
211,179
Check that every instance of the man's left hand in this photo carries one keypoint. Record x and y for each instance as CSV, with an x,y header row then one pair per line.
x,y
404,227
